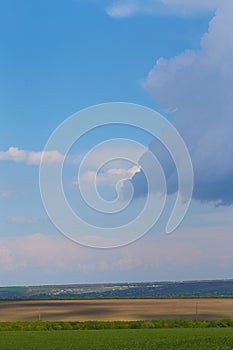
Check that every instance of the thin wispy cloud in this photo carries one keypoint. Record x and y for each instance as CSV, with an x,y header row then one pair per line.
x,y
128,8
121,9
219,217
22,220
5,194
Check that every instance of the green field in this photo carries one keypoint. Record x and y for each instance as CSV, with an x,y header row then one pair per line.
x,y
143,339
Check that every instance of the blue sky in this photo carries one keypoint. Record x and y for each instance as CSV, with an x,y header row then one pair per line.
x,y
60,57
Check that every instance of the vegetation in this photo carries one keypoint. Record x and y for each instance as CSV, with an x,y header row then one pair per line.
x,y
101,325
127,339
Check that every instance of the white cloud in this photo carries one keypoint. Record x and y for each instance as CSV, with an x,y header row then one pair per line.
x,y
199,85
111,176
30,157
127,8
110,155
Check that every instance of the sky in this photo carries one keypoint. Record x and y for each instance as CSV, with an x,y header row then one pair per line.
x,y
60,57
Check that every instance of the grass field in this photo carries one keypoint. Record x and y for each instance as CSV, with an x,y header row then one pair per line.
x,y
115,309
146,339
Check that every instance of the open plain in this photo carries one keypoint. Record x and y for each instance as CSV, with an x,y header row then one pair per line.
x,y
115,309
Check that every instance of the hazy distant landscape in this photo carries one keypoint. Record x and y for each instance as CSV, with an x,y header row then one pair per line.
x,y
124,290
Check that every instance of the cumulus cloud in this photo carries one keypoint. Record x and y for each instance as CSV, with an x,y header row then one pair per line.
x,y
128,8
107,165
109,154
197,86
107,184
30,157
111,176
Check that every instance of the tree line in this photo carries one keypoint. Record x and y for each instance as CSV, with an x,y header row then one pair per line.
x,y
95,325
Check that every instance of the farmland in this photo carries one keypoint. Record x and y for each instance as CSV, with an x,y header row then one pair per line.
x,y
115,309
145,339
